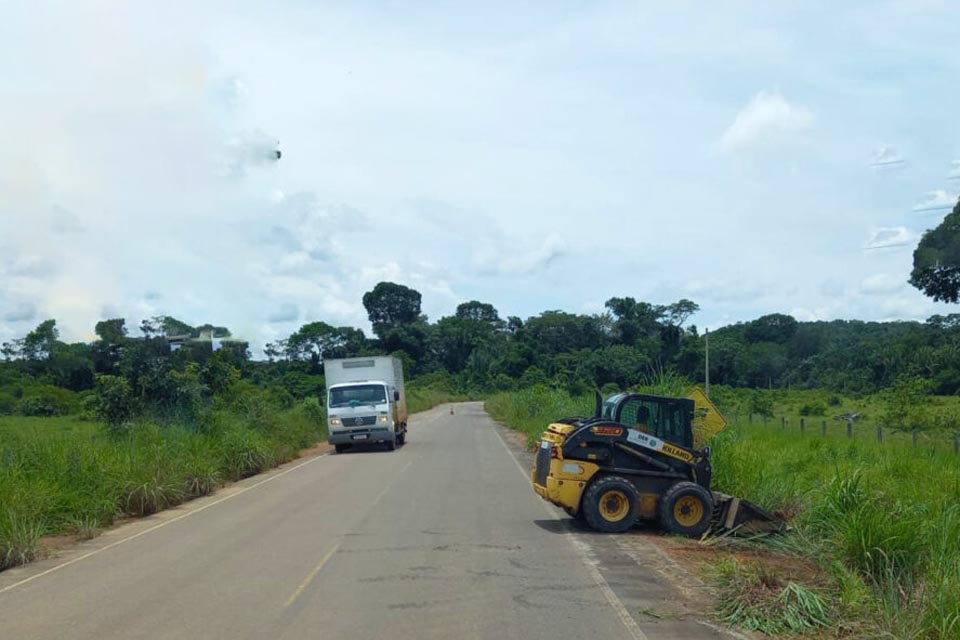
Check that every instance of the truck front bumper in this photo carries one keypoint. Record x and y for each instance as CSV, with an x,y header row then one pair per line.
x,y
362,436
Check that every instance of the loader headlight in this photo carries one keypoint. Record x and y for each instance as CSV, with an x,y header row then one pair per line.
x,y
335,422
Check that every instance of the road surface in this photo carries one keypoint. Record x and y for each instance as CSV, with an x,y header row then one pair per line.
x,y
442,538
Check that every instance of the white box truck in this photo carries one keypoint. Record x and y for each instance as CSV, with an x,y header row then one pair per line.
x,y
366,403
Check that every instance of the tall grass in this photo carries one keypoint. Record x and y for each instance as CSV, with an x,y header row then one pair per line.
x,y
63,475
882,520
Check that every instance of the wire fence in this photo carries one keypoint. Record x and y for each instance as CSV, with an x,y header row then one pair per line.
x,y
851,429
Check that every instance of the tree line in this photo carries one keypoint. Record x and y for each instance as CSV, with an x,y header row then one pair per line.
x,y
172,367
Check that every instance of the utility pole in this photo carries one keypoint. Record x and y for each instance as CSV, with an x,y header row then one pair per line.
x,y
706,365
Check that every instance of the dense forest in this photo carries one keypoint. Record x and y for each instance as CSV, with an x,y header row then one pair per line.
x,y
171,367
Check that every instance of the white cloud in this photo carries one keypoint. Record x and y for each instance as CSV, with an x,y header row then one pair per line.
x,y
882,284
937,201
288,312
832,288
21,312
29,266
515,259
768,116
886,158
890,237
954,171
804,314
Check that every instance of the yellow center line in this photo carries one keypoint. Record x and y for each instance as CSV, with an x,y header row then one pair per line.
x,y
313,574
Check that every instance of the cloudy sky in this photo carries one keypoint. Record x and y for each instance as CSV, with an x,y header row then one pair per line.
x,y
535,155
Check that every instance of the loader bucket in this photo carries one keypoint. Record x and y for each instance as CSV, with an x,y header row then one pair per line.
x,y
737,515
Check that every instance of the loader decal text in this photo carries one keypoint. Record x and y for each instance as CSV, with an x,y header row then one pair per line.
x,y
651,442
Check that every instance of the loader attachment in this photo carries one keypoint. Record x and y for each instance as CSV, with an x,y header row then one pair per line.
x,y
736,515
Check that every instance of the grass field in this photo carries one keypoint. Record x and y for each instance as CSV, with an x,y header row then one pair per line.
x,y
68,476
880,521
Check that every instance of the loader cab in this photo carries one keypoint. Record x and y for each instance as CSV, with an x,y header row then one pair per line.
x,y
666,418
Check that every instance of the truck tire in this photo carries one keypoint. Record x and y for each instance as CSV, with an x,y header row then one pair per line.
x,y
610,504
340,448
402,438
685,509
392,444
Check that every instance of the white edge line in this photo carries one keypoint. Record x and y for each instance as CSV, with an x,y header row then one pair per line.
x,y
582,549
158,526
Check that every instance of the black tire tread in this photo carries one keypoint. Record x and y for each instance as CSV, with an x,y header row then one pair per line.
x,y
589,504
666,503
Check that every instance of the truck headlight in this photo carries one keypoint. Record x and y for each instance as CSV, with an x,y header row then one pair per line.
x,y
335,422
383,418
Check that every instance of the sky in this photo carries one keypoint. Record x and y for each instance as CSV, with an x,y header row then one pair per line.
x,y
753,157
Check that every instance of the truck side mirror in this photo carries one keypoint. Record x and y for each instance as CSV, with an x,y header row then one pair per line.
x,y
396,396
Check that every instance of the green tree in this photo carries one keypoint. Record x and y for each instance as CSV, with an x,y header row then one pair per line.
x,y
390,305
40,343
775,327
454,339
936,260
107,351
479,312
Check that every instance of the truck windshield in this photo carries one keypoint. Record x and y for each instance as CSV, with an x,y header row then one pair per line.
x,y
359,394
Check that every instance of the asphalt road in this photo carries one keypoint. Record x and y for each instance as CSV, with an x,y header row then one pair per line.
x,y
442,538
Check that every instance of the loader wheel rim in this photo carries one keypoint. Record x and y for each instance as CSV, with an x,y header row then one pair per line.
x,y
688,511
614,505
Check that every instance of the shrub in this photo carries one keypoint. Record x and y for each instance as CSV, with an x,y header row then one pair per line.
x,y
114,402
8,403
47,400
813,409
313,410
761,404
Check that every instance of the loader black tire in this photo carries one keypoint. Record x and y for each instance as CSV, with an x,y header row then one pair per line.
x,y
685,509
610,504
578,516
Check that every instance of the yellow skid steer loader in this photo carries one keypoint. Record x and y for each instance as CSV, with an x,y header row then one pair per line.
x,y
638,458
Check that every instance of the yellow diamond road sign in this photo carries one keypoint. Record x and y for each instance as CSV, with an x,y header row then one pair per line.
x,y
707,419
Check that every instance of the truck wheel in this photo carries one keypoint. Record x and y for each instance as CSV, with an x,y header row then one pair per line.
x,y
611,504
401,438
685,509
392,444
340,448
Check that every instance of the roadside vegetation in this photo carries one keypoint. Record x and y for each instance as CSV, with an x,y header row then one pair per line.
x,y
874,547
126,425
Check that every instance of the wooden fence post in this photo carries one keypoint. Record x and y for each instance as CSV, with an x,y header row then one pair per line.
x,y
823,428
849,428
783,423
956,442
736,416
914,436
879,433
764,419
803,425
750,417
